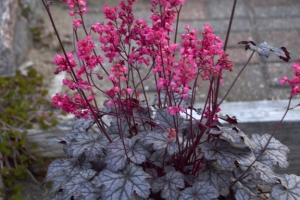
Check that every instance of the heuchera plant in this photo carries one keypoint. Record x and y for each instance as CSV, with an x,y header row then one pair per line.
x,y
166,149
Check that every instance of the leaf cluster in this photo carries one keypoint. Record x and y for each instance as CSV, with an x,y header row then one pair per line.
x,y
21,107
145,161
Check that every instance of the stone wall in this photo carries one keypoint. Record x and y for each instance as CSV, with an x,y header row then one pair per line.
x,y
17,21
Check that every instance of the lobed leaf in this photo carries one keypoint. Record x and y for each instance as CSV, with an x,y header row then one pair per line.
x,y
60,171
166,120
264,49
199,191
65,167
274,152
80,187
169,185
82,125
142,114
91,144
242,195
161,141
248,183
289,191
265,173
123,184
234,136
216,177
120,128
119,151
225,154
158,157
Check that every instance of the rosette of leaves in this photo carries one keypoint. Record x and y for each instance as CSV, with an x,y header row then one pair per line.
x,y
22,106
146,160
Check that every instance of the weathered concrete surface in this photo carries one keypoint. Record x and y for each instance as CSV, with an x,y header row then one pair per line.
x,y
8,19
18,20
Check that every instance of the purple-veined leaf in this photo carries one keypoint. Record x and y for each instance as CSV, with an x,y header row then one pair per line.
x,y
275,151
118,128
140,136
216,177
160,141
242,195
225,154
121,185
119,151
169,168
230,120
264,173
91,144
189,179
66,139
166,120
289,192
142,114
234,136
169,185
65,167
58,184
82,125
266,159
158,157
60,171
199,191
248,183
80,187
264,49
191,130
115,162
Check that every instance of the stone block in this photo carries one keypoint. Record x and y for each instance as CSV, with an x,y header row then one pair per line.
x,y
249,86
277,11
16,22
193,10
222,9
277,23
240,56
276,71
236,37
8,10
267,3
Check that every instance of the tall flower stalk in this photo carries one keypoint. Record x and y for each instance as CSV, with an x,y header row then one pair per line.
x,y
168,148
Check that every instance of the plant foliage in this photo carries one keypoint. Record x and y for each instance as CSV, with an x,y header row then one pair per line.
x,y
21,109
165,149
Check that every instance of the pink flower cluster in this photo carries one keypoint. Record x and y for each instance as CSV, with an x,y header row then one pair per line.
x,y
77,106
130,44
64,63
295,81
77,6
85,51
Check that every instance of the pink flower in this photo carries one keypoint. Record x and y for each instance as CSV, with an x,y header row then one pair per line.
x,y
77,23
175,109
283,80
64,63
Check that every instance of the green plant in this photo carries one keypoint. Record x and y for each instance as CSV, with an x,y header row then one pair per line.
x,y
22,106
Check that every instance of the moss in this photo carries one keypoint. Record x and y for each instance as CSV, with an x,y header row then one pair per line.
x,y
22,105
